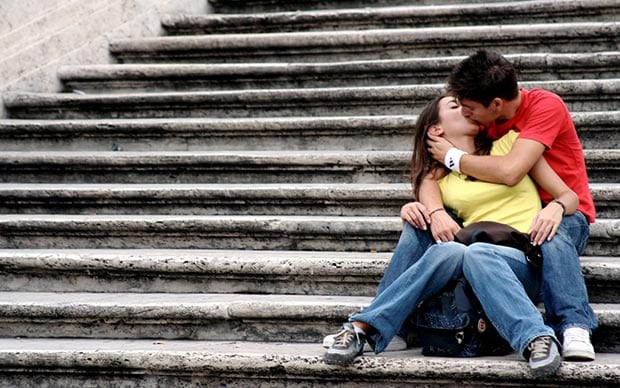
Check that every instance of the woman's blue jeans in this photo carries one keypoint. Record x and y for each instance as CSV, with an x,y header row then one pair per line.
x,y
395,303
563,289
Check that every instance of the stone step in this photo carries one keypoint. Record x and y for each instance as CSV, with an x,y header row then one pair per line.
x,y
315,233
235,166
579,95
596,130
347,45
129,78
66,362
254,6
517,12
218,199
380,199
228,271
222,317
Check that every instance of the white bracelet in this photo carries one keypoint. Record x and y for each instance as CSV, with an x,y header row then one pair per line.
x,y
453,159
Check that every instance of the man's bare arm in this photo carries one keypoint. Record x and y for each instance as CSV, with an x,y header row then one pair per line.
x,y
508,169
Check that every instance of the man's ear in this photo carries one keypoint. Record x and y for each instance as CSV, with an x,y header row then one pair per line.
x,y
497,104
435,130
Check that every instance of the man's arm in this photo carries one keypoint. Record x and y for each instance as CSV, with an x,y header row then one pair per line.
x,y
548,220
508,169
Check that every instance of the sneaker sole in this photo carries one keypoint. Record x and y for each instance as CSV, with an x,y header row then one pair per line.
x,y
395,345
578,356
548,369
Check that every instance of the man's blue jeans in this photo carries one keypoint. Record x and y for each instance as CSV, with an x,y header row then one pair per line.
x,y
395,303
564,290
506,286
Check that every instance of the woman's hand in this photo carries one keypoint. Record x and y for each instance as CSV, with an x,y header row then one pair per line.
x,y
546,223
443,227
416,214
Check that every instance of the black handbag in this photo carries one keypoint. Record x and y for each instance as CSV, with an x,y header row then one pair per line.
x,y
453,324
501,234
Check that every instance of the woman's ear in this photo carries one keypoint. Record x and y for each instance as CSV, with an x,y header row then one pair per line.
x,y
435,130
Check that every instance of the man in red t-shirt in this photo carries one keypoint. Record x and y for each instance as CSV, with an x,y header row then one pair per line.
x,y
486,85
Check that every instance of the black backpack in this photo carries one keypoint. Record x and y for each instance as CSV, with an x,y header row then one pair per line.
x,y
453,324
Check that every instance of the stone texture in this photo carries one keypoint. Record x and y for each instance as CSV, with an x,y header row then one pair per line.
x,y
579,95
129,78
369,44
549,11
144,363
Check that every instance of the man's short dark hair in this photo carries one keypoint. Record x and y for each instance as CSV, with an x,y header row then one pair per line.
x,y
483,76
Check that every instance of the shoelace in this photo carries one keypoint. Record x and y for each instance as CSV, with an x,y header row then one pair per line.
x,y
539,348
344,338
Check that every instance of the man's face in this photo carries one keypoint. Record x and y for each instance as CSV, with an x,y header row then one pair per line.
x,y
478,113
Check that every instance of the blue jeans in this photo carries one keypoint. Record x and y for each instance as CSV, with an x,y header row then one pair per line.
x,y
412,244
564,290
394,304
506,286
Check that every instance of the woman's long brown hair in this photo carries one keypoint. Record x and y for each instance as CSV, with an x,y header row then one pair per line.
x,y
422,162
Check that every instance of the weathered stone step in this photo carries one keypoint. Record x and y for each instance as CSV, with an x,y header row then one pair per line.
x,y
254,6
517,12
579,95
235,166
177,363
228,271
232,317
214,199
186,77
370,44
596,130
381,199
316,233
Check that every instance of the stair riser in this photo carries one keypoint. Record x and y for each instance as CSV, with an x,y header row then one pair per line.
x,y
406,71
129,173
124,141
357,19
253,6
56,138
607,204
280,105
190,239
599,290
109,281
371,45
313,80
302,369
307,330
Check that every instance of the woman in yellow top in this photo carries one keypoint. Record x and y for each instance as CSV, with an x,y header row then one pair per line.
x,y
511,284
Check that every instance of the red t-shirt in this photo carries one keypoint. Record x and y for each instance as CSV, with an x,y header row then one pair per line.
x,y
543,117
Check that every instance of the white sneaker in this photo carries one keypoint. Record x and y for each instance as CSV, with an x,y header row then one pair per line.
x,y
397,343
577,345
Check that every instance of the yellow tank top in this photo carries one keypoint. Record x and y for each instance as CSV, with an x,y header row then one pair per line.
x,y
474,200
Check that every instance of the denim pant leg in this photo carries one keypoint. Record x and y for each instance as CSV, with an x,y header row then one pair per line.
x,y
389,310
506,285
411,246
564,290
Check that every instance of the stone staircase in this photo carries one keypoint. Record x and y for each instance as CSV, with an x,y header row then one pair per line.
x,y
205,210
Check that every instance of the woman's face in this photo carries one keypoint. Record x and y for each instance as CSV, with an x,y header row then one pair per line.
x,y
453,123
